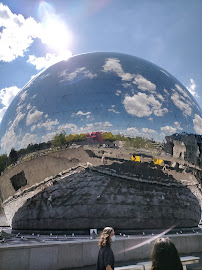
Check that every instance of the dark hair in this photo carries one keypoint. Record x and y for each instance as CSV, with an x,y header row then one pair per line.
x,y
165,256
105,239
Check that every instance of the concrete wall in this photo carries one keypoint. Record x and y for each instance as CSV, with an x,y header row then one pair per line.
x,y
55,256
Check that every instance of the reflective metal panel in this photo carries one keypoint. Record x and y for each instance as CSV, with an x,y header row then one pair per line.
x,y
131,120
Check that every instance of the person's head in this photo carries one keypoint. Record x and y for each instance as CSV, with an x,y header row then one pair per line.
x,y
106,237
165,255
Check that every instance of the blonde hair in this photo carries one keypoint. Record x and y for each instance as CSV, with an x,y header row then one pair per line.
x,y
105,239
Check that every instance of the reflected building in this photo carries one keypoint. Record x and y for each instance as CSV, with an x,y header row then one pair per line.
x,y
133,149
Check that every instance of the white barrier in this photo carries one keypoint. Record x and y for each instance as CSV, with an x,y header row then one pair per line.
x,y
63,255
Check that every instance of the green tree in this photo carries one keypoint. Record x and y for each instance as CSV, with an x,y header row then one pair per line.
x,y
59,139
69,138
120,137
82,137
13,156
3,162
108,136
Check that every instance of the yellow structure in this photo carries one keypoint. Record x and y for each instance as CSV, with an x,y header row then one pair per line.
x,y
136,158
158,161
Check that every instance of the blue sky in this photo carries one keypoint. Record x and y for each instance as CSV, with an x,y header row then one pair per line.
x,y
36,34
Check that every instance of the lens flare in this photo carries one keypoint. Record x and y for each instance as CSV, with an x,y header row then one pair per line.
x,y
148,241
54,31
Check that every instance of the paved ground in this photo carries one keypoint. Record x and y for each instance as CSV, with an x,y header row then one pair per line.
x,y
189,267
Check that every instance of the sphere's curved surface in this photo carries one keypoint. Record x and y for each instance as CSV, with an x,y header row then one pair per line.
x,y
141,133
100,92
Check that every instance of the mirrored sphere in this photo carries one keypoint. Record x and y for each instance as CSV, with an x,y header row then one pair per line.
x,y
124,147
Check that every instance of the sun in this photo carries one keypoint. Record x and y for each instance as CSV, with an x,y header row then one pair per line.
x,y
56,35
53,30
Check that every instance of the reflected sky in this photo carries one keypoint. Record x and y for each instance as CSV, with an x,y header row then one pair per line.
x,y
100,92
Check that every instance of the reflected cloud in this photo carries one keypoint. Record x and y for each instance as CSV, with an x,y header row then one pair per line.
x,y
148,130
80,113
143,105
48,125
66,76
27,138
113,65
197,124
33,117
169,130
185,107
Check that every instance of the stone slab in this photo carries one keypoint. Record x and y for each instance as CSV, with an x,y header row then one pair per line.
x,y
43,258
14,259
70,255
119,250
90,252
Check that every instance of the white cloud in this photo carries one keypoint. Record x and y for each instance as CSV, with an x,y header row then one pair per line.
x,y
160,97
113,65
8,94
131,132
33,127
166,91
18,118
10,138
82,113
6,97
48,124
29,106
177,124
169,129
197,121
27,139
143,83
23,96
8,141
98,126
2,112
160,112
49,136
185,107
33,117
17,35
126,85
70,126
143,105
148,130
48,60
183,92
191,87
19,108
66,76
118,92
113,110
